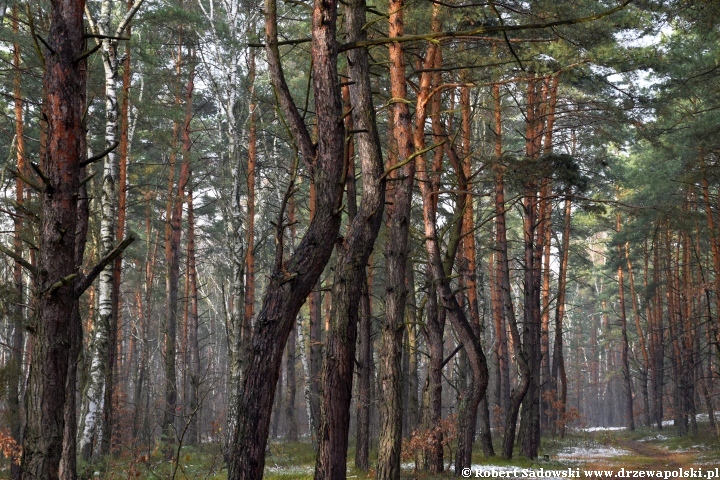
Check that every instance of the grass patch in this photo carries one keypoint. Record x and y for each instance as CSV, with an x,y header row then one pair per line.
x,y
296,460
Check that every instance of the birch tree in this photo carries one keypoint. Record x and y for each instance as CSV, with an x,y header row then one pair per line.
x,y
99,389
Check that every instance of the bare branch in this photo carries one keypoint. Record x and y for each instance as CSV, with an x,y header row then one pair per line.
x,y
295,122
87,280
101,37
29,182
100,155
97,34
480,30
18,258
128,17
89,52
40,173
411,158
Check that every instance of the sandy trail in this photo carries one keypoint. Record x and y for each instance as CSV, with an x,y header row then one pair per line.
x,y
645,456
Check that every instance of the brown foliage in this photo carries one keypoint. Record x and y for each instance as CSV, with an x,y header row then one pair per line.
x,y
555,408
420,443
9,447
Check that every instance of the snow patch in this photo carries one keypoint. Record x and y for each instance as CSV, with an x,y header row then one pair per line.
x,y
700,417
584,453
277,470
602,429
485,471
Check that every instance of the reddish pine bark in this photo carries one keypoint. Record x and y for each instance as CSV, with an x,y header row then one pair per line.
x,y
398,223
15,363
172,252
645,366
63,109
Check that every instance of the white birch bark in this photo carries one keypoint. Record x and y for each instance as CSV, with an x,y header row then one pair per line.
x,y
92,401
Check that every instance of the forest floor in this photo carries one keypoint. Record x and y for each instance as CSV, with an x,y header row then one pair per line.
x,y
604,453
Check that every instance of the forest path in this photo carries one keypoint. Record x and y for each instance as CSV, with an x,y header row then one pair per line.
x,y
648,454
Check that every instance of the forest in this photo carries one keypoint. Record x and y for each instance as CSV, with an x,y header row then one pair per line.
x,y
358,239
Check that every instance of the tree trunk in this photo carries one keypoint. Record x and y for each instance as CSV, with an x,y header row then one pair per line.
x,y
624,360
641,337
290,282
558,361
172,253
689,331
469,257
63,110
674,328
309,339
101,385
352,256
434,331
98,397
251,166
530,420
506,309
14,365
290,417
144,300
68,463
396,252
503,272
412,355
362,446
463,328
124,152
499,315
193,348
657,351
313,350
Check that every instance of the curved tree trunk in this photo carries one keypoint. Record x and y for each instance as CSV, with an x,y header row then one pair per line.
x,y
460,323
352,256
503,273
291,281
